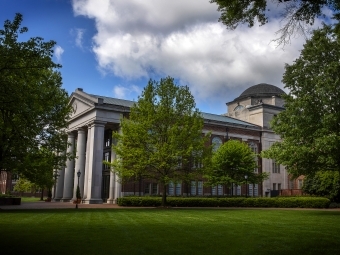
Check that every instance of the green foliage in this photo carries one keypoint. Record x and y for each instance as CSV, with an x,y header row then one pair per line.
x,y
297,15
309,125
34,108
231,162
279,202
78,195
323,183
24,185
162,138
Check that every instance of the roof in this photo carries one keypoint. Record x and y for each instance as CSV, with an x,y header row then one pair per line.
x,y
206,116
261,90
226,119
115,101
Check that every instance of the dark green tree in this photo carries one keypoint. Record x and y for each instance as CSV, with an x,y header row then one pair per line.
x,y
298,15
309,125
231,162
162,138
34,108
323,183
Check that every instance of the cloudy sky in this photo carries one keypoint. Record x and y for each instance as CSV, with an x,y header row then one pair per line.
x,y
113,47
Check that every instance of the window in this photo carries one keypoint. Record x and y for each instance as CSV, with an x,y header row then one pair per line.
x,y
193,188
216,143
239,108
107,138
171,189
154,188
275,167
200,188
253,147
217,190
252,192
196,188
300,183
274,186
178,190
279,186
147,188
238,190
107,158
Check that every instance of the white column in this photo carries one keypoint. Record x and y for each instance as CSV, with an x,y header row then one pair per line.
x,y
88,146
68,177
80,163
94,185
110,200
118,185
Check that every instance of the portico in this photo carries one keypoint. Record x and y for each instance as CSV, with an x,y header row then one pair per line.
x,y
89,137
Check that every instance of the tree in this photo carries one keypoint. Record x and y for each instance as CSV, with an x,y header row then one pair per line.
x,y
231,162
24,185
298,15
309,125
162,138
34,108
323,183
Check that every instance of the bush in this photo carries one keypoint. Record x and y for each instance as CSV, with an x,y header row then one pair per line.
x,y
334,205
279,202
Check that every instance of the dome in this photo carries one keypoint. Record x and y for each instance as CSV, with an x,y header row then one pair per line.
x,y
261,90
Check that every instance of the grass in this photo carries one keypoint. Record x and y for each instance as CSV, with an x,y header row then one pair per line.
x,y
173,231
31,199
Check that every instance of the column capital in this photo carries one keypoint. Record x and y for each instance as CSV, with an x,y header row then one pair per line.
x,y
97,123
81,130
70,135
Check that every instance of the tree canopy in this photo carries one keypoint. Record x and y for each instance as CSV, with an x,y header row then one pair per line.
x,y
309,125
34,108
323,183
162,138
231,162
297,15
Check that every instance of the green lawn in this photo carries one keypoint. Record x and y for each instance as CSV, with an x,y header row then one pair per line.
x,y
30,199
169,231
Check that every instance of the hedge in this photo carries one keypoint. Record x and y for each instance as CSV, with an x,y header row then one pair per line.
x,y
278,202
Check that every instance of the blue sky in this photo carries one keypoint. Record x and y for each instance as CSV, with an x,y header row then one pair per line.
x,y
113,47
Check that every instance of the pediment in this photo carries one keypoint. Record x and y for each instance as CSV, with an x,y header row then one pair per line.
x,y
79,106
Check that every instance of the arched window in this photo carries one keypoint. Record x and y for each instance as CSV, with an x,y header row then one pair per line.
x,y
216,143
239,108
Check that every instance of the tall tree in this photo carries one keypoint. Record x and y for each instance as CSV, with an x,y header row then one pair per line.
x,y
162,138
323,183
298,15
34,108
309,125
231,162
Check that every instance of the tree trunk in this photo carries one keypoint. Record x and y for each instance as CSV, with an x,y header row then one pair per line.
x,y
164,195
42,195
140,185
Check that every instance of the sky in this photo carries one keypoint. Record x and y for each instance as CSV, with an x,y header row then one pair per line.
x,y
114,47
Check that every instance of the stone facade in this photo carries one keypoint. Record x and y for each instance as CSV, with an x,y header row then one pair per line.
x,y
95,118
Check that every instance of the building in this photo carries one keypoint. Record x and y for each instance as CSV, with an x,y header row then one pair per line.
x,y
94,118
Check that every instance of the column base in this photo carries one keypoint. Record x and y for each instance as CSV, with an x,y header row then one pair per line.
x,y
66,199
93,201
111,201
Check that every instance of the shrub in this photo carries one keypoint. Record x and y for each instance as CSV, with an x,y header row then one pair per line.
x,y
280,202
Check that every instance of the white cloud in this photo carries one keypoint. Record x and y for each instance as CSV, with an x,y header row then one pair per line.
x,y
78,34
126,92
58,51
79,37
184,40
